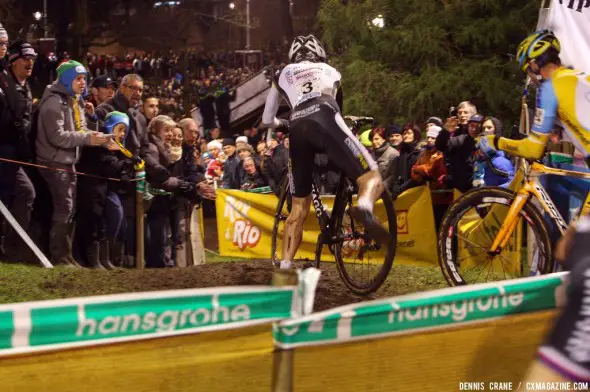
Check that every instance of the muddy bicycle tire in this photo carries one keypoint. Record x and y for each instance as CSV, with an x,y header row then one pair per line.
x,y
447,248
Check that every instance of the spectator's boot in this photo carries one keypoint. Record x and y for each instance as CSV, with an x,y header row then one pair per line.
x,y
93,254
16,249
117,255
129,261
58,245
69,235
105,257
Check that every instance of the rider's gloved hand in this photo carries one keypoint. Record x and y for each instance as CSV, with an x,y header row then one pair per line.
x,y
284,123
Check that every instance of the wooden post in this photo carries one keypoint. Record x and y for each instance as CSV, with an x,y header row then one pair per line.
x,y
139,221
282,374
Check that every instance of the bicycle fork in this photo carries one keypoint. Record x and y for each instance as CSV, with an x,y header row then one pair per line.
x,y
511,220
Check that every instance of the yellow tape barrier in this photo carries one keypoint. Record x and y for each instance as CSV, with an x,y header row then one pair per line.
x,y
231,360
493,351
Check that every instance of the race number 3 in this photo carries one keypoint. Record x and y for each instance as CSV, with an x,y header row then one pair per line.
x,y
307,87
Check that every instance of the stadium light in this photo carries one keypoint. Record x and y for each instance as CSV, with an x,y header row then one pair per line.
x,y
37,15
378,22
168,3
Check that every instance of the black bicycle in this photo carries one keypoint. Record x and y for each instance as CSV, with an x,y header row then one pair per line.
x,y
351,247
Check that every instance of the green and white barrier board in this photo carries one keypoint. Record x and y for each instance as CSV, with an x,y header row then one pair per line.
x,y
425,311
57,324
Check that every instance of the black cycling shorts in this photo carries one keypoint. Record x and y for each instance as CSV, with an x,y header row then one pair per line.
x,y
316,126
567,349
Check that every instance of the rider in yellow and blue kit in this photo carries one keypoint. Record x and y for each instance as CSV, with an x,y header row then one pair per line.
x,y
563,94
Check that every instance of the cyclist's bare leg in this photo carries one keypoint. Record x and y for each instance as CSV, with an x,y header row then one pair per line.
x,y
294,228
370,190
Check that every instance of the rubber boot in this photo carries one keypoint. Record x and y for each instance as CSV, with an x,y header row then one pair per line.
x,y
93,254
129,261
117,255
69,235
58,245
105,257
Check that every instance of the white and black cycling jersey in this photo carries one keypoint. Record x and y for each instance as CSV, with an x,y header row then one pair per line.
x,y
300,82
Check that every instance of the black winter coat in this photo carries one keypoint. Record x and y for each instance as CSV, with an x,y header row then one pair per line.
x,y
458,153
92,191
402,180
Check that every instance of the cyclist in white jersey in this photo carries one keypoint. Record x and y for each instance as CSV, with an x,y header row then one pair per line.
x,y
312,89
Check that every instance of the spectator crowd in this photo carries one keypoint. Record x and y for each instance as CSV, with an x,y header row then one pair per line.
x,y
95,126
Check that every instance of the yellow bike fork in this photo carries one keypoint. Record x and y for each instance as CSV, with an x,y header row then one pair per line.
x,y
511,219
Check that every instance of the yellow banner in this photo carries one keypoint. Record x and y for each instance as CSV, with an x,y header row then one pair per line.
x,y
245,223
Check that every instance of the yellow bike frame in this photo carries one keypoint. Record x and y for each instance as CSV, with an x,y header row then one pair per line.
x,y
532,188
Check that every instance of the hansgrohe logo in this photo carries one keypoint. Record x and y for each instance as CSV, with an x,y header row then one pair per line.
x,y
458,310
167,320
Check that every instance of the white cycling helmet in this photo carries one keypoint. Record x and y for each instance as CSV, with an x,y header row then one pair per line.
x,y
306,48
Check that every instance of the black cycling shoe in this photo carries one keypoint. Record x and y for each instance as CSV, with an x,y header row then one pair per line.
x,y
374,228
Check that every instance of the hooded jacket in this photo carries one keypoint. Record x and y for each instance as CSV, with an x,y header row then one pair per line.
x,y
57,138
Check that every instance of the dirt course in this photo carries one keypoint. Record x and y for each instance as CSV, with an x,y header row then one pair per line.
x,y
29,283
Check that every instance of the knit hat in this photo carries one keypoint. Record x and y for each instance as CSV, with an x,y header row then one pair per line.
x,y
19,49
433,131
476,118
3,33
435,120
229,142
114,118
68,71
393,130
365,140
242,139
214,144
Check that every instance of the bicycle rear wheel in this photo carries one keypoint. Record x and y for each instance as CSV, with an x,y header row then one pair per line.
x,y
469,229
281,214
362,263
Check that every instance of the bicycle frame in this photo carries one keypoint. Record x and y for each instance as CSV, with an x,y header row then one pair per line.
x,y
532,187
328,222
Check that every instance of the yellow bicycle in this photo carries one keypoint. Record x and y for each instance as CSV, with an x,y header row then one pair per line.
x,y
493,233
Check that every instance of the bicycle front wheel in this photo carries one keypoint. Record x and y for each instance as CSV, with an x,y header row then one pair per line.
x,y
471,225
362,263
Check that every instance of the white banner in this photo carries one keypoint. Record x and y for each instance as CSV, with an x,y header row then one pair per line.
x,y
570,21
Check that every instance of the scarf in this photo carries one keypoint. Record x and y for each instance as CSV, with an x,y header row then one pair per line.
x,y
175,154
77,115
